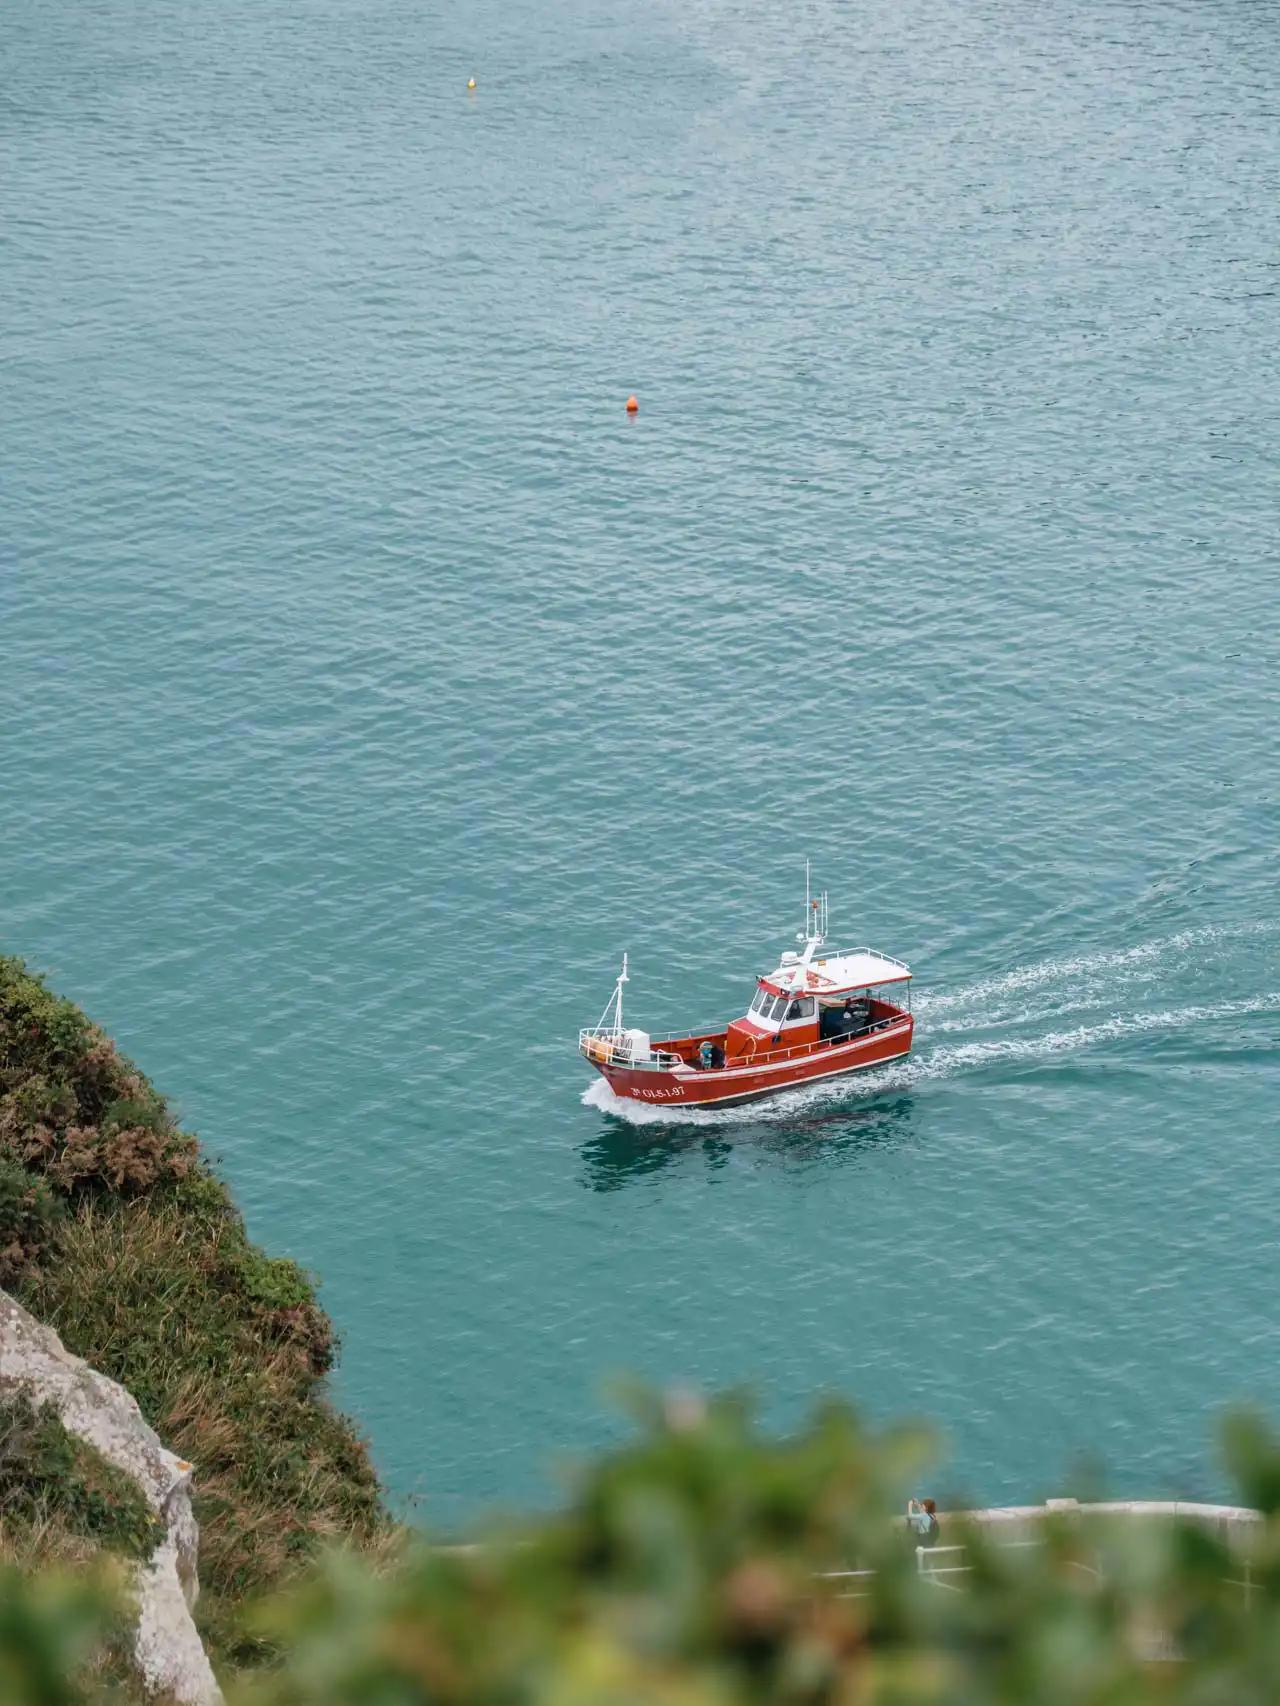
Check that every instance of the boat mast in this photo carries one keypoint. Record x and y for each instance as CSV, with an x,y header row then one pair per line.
x,y
614,1003
815,927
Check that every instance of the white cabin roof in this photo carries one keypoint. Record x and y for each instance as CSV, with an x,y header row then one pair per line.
x,y
837,974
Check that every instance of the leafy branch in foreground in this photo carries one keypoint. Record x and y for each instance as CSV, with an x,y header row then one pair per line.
x,y
708,1564
697,1567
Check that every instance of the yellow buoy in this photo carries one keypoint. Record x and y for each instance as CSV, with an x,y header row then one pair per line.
x,y
471,82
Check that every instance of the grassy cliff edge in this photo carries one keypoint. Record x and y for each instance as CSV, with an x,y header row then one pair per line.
x,y
115,1231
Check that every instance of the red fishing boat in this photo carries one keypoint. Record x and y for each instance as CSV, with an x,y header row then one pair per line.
x,y
819,1015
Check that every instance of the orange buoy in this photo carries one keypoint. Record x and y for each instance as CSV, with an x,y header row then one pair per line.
x,y
632,405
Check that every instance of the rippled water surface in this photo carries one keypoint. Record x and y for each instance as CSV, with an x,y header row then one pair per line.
x,y
370,681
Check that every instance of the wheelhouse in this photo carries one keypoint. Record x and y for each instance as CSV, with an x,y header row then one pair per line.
x,y
771,1010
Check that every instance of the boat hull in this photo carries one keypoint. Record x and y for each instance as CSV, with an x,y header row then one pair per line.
x,y
731,1085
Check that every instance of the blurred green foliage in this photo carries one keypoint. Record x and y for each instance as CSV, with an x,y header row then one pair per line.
x,y
695,1567
59,1637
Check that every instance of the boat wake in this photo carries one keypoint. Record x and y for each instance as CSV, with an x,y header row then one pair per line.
x,y
1077,986
1089,974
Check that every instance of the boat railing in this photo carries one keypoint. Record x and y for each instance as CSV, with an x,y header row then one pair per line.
x,y
612,1047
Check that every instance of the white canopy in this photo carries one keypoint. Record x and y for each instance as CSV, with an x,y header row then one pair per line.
x,y
837,974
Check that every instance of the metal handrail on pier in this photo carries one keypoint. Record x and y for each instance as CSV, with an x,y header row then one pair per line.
x,y
1013,1528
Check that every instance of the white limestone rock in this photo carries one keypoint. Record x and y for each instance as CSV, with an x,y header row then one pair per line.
x,y
33,1361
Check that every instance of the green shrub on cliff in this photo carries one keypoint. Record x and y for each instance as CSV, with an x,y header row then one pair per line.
x,y
71,1107
115,1232
28,1211
50,1481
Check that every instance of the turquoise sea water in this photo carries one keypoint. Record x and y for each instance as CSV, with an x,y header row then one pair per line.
x,y
370,681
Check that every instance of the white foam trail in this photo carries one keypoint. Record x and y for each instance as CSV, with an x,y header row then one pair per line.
x,y
933,1064
1082,1001
1125,961
943,1062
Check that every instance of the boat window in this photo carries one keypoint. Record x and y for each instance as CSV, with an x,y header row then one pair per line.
x,y
773,1009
